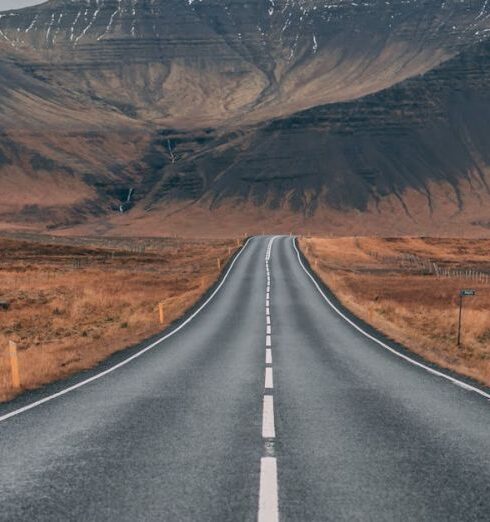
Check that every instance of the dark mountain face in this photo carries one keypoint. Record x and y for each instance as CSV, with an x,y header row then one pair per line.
x,y
428,130
283,104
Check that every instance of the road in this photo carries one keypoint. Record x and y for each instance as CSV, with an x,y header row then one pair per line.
x,y
265,404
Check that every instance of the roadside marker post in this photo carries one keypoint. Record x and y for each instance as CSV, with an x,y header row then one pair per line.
x,y
14,365
219,263
462,295
160,310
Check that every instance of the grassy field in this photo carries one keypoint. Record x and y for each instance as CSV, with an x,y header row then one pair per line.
x,y
72,304
409,288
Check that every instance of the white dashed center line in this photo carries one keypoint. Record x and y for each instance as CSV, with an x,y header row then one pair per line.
x,y
268,429
269,383
268,356
268,499
268,492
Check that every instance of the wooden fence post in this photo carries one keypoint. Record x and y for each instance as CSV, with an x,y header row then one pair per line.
x,y
14,365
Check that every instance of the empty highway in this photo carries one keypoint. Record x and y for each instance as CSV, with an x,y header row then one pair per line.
x,y
264,403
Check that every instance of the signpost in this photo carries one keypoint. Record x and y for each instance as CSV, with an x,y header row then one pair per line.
x,y
462,294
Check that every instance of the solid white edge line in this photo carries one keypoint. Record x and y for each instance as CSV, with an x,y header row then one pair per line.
x,y
268,428
268,496
269,381
134,356
433,371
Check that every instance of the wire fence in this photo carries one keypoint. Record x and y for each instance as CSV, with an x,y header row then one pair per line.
x,y
429,267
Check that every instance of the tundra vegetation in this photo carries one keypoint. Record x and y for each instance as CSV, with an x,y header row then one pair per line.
x,y
74,303
408,288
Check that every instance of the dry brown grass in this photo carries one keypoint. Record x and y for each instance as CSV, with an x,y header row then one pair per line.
x,y
71,306
409,305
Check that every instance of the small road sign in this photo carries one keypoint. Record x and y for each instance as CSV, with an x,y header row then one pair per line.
x,y
466,292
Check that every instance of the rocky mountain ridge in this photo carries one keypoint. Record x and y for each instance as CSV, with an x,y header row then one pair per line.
x,y
159,60
292,106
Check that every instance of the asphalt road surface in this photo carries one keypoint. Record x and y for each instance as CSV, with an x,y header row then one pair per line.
x,y
266,404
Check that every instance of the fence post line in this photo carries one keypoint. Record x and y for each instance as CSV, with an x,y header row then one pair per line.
x,y
14,365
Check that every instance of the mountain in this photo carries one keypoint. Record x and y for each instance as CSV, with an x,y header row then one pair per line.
x,y
336,116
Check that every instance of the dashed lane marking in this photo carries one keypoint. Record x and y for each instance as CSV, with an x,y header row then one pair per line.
x,y
268,428
269,383
268,356
268,497
268,491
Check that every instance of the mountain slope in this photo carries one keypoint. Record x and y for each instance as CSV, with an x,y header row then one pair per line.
x,y
299,109
187,64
